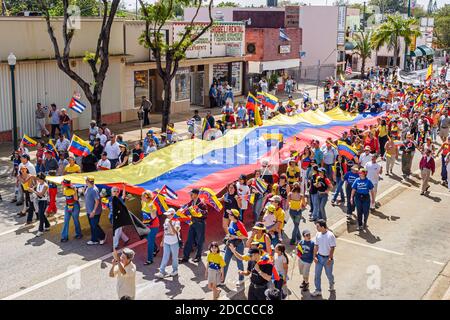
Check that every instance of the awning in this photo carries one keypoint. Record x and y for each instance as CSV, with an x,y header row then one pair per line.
x,y
260,66
416,53
427,51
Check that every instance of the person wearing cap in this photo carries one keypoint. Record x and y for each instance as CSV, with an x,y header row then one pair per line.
x,y
124,270
324,247
64,123
259,238
93,211
104,163
275,229
170,243
362,193
408,149
123,155
113,150
305,254
324,186
427,167
41,192
93,131
197,229
349,178
50,163
259,268
150,136
71,210
62,144
365,157
236,234
150,218
374,170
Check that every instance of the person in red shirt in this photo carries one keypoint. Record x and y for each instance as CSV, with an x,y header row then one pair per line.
x,y
427,168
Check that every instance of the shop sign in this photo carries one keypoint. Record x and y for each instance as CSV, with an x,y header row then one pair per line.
x,y
342,13
292,16
233,49
285,48
341,38
226,33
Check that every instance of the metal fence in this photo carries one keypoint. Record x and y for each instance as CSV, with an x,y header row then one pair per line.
x,y
312,73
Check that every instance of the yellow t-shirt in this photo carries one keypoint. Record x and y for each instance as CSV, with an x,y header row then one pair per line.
x,y
215,261
73,169
297,204
382,131
292,173
279,216
147,207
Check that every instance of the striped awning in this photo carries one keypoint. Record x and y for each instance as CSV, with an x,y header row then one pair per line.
x,y
427,51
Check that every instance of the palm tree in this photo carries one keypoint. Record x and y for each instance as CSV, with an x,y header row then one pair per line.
x,y
363,48
390,32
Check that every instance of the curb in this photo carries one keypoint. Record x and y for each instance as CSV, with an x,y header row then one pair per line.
x,y
440,288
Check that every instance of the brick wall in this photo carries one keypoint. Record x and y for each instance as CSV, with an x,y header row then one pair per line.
x,y
267,42
6,136
112,118
261,19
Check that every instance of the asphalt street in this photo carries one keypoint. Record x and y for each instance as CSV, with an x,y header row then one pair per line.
x,y
398,258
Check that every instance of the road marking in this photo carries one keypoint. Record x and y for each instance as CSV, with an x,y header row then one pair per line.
x,y
435,262
66,274
371,247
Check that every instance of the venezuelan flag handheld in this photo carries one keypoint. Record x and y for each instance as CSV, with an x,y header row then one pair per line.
x,y
80,147
346,151
237,229
181,216
27,141
205,126
210,198
160,204
267,259
268,100
194,163
251,102
258,120
429,72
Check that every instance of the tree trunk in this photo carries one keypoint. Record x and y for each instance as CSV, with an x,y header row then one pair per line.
x,y
96,109
395,54
166,103
363,67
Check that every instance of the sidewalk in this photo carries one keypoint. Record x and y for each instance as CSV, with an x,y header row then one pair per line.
x,y
131,132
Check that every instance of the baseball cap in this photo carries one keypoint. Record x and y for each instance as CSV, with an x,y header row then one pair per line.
x,y
234,212
367,148
275,198
363,170
305,232
271,208
150,132
89,178
322,170
169,212
355,167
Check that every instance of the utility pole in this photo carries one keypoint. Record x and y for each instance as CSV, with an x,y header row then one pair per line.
x,y
364,17
406,47
318,80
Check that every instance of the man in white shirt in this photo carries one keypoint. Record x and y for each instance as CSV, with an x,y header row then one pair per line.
x,y
125,270
365,157
324,246
104,163
264,85
374,170
62,144
112,148
25,162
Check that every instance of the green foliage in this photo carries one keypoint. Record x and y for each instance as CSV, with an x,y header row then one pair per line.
x,y
87,7
441,26
228,4
390,6
363,47
89,56
390,32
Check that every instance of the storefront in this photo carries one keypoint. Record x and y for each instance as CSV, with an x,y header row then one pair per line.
x,y
231,73
144,86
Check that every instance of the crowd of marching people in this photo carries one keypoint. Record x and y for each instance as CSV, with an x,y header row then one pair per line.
x,y
342,171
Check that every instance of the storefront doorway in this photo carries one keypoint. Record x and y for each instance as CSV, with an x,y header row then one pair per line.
x,y
144,85
197,87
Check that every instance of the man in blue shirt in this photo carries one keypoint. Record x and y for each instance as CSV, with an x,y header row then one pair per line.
x,y
361,193
349,178
93,212
318,154
329,157
150,136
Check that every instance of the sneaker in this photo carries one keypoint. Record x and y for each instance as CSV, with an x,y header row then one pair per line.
x,y
160,275
196,260
182,260
148,262
91,243
306,287
103,241
331,289
39,233
221,284
64,240
360,228
303,284
79,237
47,229
316,293
174,273
155,252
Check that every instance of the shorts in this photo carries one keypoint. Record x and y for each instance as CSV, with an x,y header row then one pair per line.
x,y
214,276
304,268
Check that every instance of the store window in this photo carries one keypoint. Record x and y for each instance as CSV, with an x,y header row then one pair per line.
x,y
236,77
220,72
141,87
182,84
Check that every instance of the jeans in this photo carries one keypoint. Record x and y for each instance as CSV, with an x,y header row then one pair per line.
x,y
323,198
444,172
382,142
329,168
196,234
339,189
433,133
97,233
350,206
229,255
362,202
296,216
65,130
151,243
113,163
315,206
322,263
75,214
30,207
42,205
170,249
257,206
54,127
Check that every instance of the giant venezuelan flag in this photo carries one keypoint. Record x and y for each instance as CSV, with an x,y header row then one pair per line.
x,y
198,163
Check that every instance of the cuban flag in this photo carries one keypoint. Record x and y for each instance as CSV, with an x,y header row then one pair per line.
x,y
76,105
305,97
283,35
169,193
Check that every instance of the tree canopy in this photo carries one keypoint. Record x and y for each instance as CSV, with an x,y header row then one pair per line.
x,y
441,26
55,7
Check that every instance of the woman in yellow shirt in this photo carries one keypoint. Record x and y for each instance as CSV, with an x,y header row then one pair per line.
x,y
382,136
72,167
297,203
150,218
27,182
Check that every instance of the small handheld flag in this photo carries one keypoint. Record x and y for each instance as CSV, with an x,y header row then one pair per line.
x,y
76,105
26,140
169,193
80,147
346,151
210,198
261,185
